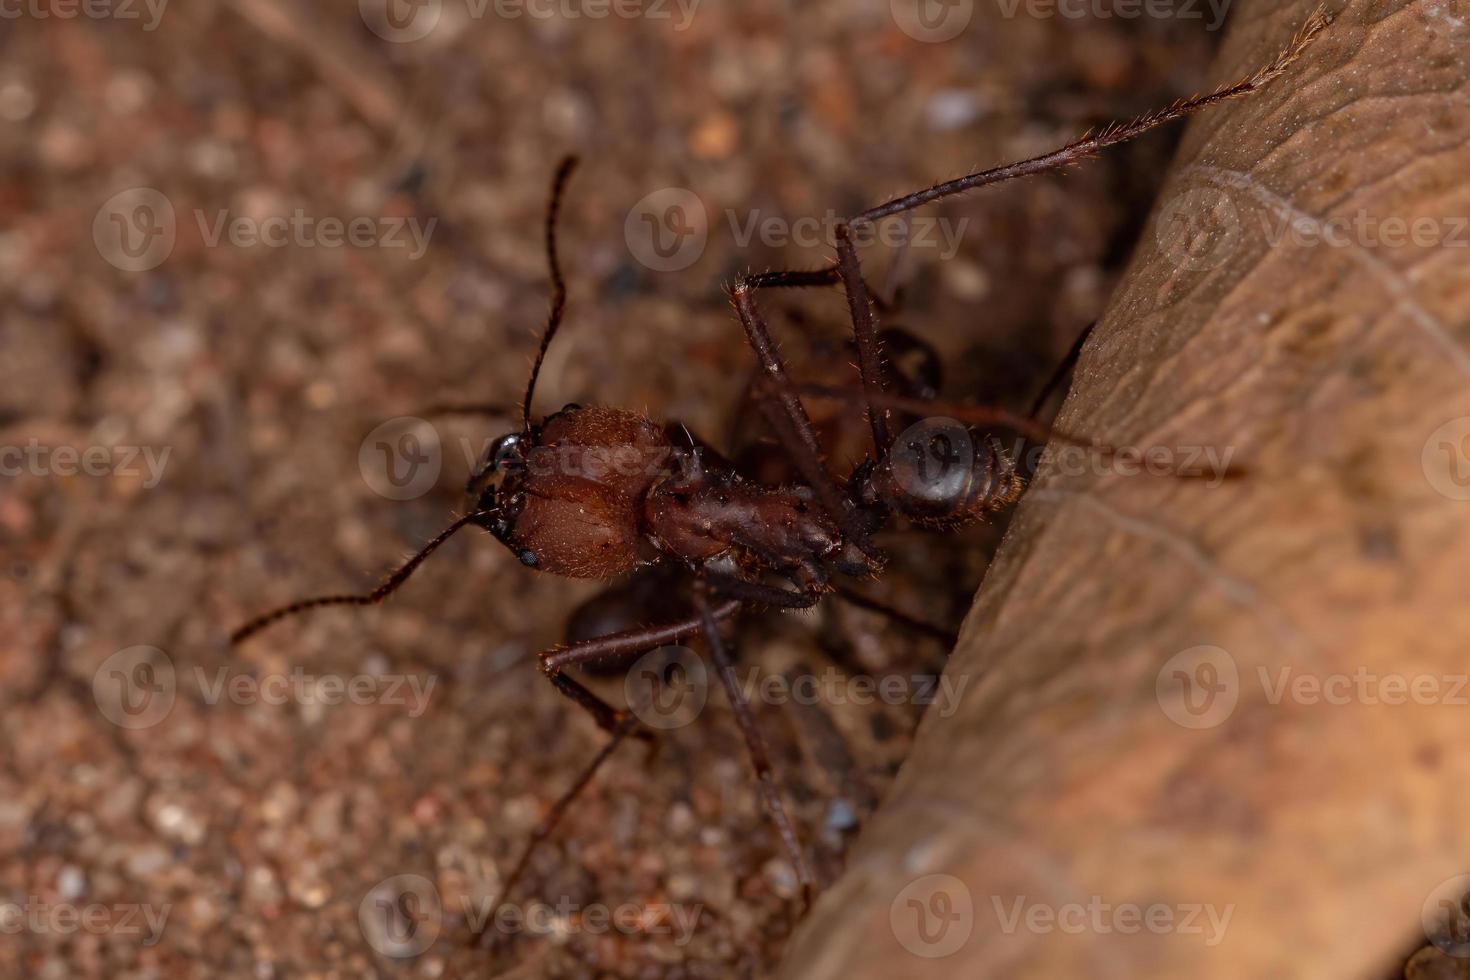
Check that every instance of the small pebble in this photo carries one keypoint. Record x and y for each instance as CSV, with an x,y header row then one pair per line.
x,y
716,137
966,280
781,877
309,890
17,101
71,882
953,109
680,819
840,815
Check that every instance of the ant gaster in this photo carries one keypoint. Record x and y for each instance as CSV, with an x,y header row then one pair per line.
x,y
597,492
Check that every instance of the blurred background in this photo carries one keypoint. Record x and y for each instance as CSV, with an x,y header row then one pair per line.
x,y
244,244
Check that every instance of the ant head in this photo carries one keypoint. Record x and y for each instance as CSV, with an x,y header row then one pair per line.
x,y
507,456
566,495
508,452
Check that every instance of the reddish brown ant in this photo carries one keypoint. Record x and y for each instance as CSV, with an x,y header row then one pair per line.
x,y
599,493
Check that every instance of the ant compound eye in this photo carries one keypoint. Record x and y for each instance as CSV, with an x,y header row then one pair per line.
x,y
505,450
528,558
932,462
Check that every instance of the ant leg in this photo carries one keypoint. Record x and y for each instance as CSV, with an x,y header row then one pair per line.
x,y
1090,144
865,329
755,744
858,599
628,642
1074,353
993,415
620,731
619,724
786,414
806,278
755,593
389,586
865,336
608,718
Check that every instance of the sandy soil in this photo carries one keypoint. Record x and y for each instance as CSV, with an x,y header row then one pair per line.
x,y
256,824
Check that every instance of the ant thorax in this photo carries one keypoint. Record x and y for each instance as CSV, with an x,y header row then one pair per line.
x,y
703,514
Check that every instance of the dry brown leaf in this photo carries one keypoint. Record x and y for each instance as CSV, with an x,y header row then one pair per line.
x,y
1268,311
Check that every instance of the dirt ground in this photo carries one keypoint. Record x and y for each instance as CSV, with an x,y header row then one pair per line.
x,y
187,810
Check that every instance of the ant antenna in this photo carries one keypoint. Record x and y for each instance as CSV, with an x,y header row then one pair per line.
x,y
389,586
558,286
987,415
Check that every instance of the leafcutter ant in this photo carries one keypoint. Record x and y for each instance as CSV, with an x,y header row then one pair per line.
x,y
598,493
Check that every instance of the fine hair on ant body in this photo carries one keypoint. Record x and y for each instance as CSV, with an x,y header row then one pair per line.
x,y
597,493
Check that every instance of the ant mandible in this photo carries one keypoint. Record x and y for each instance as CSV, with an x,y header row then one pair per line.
x,y
598,493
